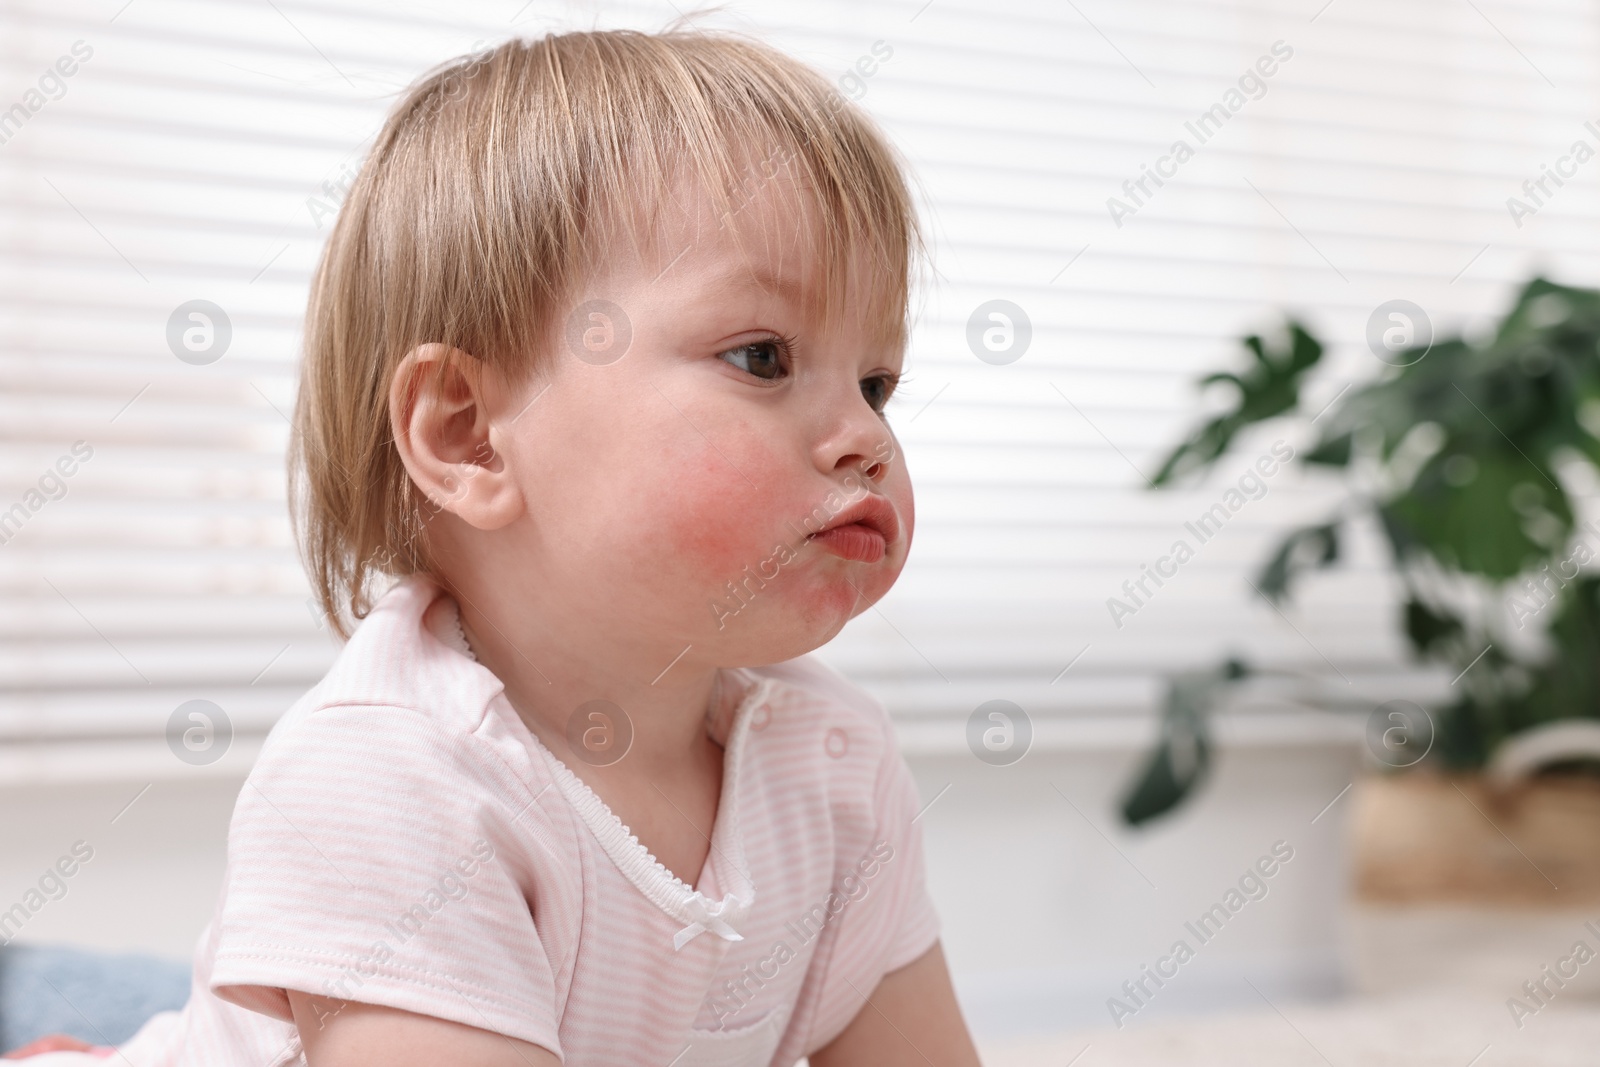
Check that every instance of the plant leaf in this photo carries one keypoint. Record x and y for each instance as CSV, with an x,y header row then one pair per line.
x,y
1182,758
1427,628
1269,387
1309,546
1334,452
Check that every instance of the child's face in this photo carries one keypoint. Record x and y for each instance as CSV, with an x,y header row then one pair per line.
x,y
707,454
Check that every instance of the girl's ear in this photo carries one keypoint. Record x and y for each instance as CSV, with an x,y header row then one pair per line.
x,y
440,420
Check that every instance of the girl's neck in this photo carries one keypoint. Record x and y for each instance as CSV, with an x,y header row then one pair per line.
x,y
551,672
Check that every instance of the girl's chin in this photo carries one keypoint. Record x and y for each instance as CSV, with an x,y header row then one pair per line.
x,y
824,607
802,610
785,629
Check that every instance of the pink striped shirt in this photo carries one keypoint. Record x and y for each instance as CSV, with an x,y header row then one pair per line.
x,y
404,840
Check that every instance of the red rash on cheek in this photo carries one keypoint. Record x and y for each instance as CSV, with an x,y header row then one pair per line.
x,y
734,515
717,521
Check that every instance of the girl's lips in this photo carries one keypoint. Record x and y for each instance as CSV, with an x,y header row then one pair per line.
x,y
853,541
861,532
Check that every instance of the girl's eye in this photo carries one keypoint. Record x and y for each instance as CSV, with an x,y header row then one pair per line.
x,y
764,359
877,390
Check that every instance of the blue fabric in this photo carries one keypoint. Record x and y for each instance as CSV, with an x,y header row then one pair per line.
x,y
98,997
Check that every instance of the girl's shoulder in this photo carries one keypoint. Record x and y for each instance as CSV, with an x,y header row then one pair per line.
x,y
400,703
404,655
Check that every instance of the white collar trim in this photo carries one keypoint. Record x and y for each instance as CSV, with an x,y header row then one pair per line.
x,y
698,913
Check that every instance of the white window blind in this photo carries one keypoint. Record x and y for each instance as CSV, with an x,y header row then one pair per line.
x,y
197,151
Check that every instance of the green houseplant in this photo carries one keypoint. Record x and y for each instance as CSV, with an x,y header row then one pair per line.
x,y
1469,456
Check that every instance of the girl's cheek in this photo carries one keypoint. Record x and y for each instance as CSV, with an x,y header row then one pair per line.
x,y
906,506
715,520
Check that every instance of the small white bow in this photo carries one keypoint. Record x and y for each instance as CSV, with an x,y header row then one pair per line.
x,y
707,916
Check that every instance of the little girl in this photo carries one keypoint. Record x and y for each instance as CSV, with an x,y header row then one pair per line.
x,y
596,365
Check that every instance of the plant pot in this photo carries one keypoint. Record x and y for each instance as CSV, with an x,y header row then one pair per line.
x,y
1424,838
1475,884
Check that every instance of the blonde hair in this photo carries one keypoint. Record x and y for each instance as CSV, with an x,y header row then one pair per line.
x,y
486,198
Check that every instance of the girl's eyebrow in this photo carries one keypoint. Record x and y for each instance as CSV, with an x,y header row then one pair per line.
x,y
784,286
